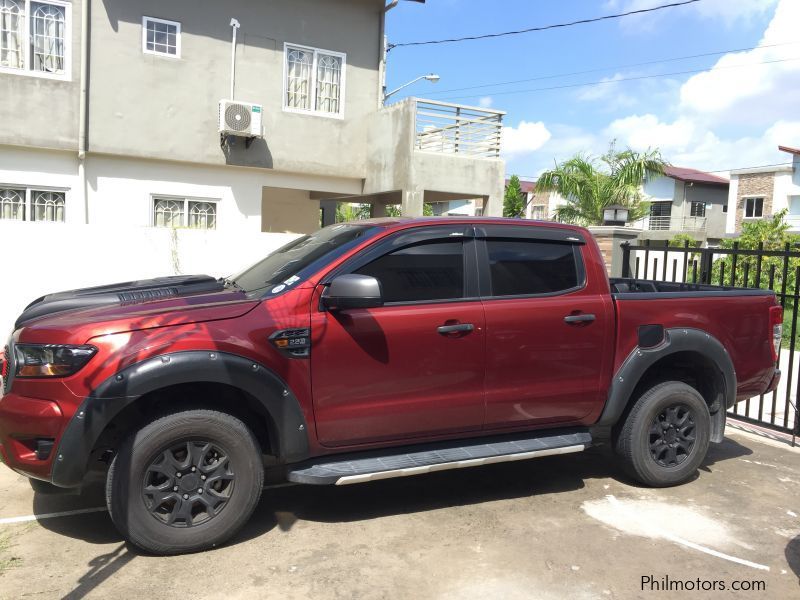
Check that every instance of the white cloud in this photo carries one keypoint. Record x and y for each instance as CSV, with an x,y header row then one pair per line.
x,y
609,93
647,131
738,84
527,137
486,102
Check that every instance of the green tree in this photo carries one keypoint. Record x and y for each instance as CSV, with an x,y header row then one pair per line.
x,y
346,211
769,234
395,210
514,200
590,184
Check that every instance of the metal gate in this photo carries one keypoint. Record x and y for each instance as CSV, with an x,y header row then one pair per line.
x,y
777,270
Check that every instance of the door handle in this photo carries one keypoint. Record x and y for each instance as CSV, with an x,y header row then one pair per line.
x,y
588,318
458,328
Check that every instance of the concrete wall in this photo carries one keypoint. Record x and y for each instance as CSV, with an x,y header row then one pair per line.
x,y
165,108
40,111
715,197
100,255
393,165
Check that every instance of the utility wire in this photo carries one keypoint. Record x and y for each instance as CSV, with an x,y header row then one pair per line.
x,y
607,81
532,178
541,28
611,68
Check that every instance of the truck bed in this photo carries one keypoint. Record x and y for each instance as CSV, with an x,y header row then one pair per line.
x,y
644,289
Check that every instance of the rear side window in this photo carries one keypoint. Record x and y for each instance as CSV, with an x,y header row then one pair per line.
x,y
531,267
424,272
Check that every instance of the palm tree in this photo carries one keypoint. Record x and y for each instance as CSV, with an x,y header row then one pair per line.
x,y
589,185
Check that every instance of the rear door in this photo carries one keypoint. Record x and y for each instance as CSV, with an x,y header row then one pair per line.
x,y
415,366
548,333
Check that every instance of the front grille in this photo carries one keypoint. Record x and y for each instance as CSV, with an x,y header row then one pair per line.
x,y
6,369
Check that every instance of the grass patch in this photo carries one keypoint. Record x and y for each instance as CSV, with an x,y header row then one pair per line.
x,y
6,561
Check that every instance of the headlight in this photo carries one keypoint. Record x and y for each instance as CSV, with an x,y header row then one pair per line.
x,y
50,360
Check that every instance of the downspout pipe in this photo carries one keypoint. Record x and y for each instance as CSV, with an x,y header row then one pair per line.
x,y
83,107
235,25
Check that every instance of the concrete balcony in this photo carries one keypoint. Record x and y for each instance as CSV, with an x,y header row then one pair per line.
x,y
424,151
673,225
445,128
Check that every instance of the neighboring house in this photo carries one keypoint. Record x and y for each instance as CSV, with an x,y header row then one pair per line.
x,y
762,192
685,201
117,123
539,207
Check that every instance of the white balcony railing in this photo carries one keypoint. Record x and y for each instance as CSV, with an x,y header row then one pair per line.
x,y
446,128
673,223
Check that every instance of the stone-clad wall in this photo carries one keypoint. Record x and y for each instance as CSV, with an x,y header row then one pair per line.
x,y
754,184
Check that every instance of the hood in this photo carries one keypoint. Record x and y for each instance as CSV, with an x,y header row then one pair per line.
x,y
77,315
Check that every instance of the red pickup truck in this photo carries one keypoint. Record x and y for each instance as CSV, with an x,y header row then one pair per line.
x,y
369,350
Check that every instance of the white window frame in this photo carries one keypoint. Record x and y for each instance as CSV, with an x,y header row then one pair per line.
x,y
744,207
28,201
316,52
27,70
177,25
186,200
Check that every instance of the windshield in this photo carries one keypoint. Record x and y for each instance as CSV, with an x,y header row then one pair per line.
x,y
289,263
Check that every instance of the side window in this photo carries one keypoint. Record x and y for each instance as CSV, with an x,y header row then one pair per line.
x,y
428,271
531,267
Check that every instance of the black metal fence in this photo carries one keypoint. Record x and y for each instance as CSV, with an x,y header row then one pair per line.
x,y
777,270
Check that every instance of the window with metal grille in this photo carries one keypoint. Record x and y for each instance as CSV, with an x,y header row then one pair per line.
x,y
162,37
698,209
314,81
29,204
34,37
753,208
184,212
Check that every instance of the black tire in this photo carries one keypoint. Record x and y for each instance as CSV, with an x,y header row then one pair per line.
x,y
665,436
205,444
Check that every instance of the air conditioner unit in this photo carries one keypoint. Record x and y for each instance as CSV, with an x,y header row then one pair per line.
x,y
241,119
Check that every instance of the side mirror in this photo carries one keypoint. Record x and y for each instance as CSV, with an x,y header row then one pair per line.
x,y
353,291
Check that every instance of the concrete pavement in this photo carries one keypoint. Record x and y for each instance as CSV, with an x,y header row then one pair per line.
x,y
559,527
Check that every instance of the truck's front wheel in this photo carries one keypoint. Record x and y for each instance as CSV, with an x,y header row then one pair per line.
x,y
665,436
185,482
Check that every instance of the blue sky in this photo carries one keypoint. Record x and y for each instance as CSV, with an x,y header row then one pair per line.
x,y
732,113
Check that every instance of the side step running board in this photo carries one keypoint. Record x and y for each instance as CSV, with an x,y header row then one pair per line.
x,y
360,467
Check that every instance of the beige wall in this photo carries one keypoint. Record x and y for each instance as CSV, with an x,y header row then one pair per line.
x,y
42,112
288,211
163,108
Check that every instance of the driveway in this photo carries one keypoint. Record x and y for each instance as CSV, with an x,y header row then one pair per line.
x,y
566,526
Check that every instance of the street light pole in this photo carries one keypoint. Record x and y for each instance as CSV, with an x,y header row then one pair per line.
x,y
430,77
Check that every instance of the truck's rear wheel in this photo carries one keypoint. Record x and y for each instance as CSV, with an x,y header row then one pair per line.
x,y
665,436
185,482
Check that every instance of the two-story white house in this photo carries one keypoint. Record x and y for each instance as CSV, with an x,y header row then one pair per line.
x,y
762,192
110,115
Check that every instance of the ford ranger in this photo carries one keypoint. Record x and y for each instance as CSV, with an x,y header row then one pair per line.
x,y
368,350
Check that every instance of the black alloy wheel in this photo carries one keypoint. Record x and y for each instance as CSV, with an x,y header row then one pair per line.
x,y
188,483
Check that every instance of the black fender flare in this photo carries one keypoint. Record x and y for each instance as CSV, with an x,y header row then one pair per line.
x,y
71,460
675,340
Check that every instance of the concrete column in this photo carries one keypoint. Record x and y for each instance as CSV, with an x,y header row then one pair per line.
x,y
493,206
412,204
377,209
328,212
609,238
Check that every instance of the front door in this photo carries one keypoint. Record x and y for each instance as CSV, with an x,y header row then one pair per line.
x,y
548,332
413,367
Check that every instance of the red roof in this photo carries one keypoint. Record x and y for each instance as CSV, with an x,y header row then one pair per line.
x,y
526,186
693,175
789,149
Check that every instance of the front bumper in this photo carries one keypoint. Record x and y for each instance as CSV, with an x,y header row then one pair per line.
x,y
29,428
